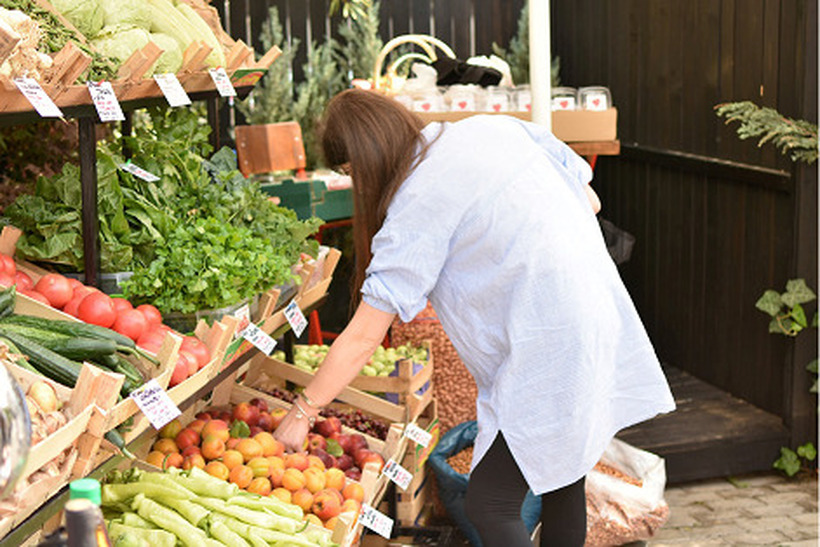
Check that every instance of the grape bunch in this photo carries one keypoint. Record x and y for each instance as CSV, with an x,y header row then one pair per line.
x,y
356,419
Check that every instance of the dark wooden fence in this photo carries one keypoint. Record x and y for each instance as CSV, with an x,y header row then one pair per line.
x,y
717,220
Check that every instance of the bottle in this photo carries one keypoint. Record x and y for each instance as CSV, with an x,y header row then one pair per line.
x,y
83,517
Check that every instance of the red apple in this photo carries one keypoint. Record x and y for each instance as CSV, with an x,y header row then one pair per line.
x,y
357,442
265,421
261,404
316,441
323,455
328,426
344,462
354,474
277,415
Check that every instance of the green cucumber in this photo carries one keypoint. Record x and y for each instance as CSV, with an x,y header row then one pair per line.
x,y
115,438
51,364
70,328
21,361
7,299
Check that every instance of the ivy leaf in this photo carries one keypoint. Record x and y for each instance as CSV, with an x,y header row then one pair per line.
x,y
780,326
770,303
807,451
799,315
797,292
788,462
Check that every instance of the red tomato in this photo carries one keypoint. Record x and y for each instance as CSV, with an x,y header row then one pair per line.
x,y
36,296
75,283
73,305
97,309
7,280
180,373
82,290
151,340
7,265
151,313
197,349
190,361
130,323
55,288
23,281
121,304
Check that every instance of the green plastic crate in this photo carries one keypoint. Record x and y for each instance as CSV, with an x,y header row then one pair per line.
x,y
311,198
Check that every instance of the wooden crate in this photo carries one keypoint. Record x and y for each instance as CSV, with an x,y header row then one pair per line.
x,y
412,504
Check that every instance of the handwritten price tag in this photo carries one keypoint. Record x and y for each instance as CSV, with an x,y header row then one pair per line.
x,y
244,316
376,521
222,82
172,89
38,98
296,318
138,172
154,402
398,474
417,434
105,101
259,338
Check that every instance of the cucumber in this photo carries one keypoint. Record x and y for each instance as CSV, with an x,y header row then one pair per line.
x,y
51,364
118,363
7,298
115,438
21,361
70,328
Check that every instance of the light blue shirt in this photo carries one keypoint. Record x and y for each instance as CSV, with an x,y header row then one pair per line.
x,y
495,229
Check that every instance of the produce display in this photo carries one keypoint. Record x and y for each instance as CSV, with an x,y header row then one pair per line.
x,y
382,363
237,446
195,509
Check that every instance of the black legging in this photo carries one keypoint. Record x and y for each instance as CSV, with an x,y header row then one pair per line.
x,y
493,504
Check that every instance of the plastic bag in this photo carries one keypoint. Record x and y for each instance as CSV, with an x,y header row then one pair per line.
x,y
624,496
619,242
452,485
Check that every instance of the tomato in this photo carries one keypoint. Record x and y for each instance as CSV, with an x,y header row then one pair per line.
x,y
121,304
82,290
97,309
190,361
151,313
180,373
56,288
151,340
7,265
36,296
23,281
75,283
73,305
130,323
197,349
6,280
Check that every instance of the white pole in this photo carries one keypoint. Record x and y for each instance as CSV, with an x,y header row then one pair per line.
x,y
540,62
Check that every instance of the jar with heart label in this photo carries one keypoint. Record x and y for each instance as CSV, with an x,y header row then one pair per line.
x,y
564,98
595,98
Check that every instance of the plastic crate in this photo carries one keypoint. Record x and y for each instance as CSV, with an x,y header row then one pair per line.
x,y
311,198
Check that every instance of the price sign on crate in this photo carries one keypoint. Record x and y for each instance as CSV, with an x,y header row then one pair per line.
x,y
258,338
296,318
222,82
138,172
172,89
398,474
105,101
417,434
154,402
38,98
376,521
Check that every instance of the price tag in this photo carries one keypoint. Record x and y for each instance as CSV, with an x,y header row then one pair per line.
x,y
244,316
138,172
398,474
38,98
154,402
296,318
105,101
222,82
259,338
376,521
172,89
417,434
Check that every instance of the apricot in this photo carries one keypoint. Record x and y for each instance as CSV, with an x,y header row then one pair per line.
x,y
282,494
313,519
330,523
352,506
197,425
315,461
166,446
335,478
241,475
260,485
326,504
218,429
171,429
218,469
232,442
353,491
174,459
190,451
212,447
260,467
249,449
187,437
155,458
314,479
232,458
303,498
276,475
297,460
293,479
194,460
270,446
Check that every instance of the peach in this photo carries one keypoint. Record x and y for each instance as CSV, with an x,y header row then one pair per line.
x,y
270,446
297,460
232,458
260,467
197,425
326,504
276,462
276,475
315,461
313,519
303,498
335,478
218,469
277,415
232,443
353,491
218,429
166,446
194,460
174,459
330,524
187,437
282,494
171,429
155,458
249,449
213,447
190,451
293,479
260,485
352,506
241,475
314,479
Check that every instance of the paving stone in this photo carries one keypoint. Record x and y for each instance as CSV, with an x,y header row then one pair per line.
x,y
759,538
791,509
806,519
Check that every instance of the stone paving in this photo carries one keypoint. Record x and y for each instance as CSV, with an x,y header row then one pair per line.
x,y
763,509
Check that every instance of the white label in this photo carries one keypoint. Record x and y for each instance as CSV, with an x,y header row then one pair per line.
x,y
138,172
36,95
244,316
417,434
595,101
105,101
563,103
154,402
296,318
398,474
376,521
463,103
222,82
259,338
172,89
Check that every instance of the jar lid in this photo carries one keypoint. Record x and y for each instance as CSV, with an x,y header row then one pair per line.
x,y
85,489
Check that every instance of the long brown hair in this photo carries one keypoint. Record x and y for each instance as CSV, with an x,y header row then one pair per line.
x,y
378,137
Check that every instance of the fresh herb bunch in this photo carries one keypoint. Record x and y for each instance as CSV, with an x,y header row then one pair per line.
x,y
207,264
55,35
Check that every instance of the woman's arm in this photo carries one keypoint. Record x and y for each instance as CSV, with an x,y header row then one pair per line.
x,y
346,357
594,200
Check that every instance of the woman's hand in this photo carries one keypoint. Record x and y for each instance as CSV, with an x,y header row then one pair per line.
x,y
292,431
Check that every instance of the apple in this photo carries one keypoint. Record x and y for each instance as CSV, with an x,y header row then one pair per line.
x,y
344,462
316,441
357,442
277,415
328,426
323,455
326,504
366,456
265,421
261,404
354,474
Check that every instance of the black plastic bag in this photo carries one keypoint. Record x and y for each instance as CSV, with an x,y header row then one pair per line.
x,y
452,485
619,242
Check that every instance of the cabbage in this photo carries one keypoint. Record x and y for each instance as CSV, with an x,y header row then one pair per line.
x,y
120,42
171,58
126,12
86,15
